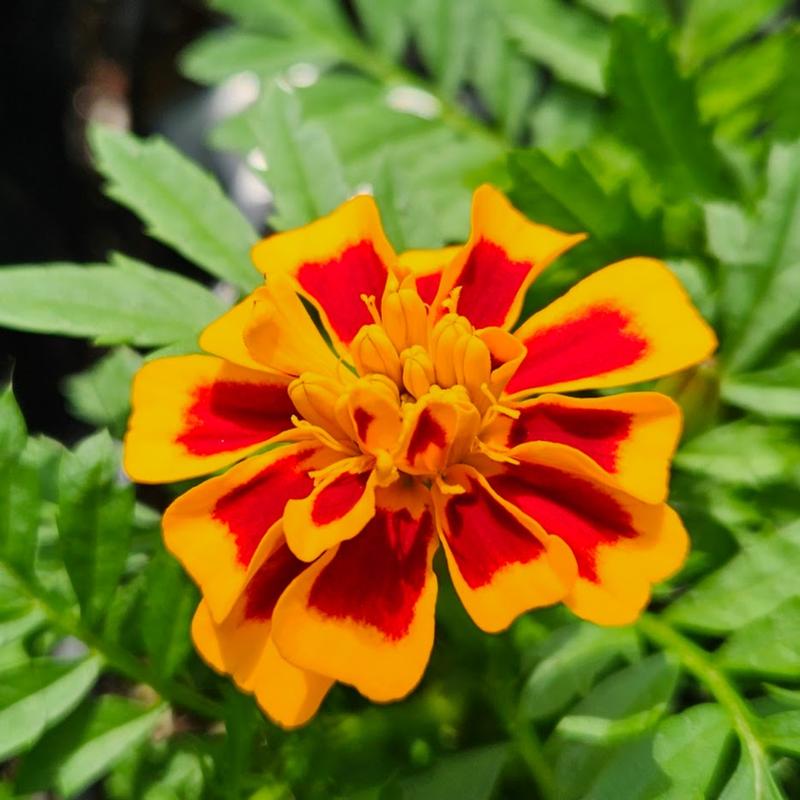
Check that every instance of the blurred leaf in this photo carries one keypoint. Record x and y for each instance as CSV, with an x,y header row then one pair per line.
x,y
469,775
563,193
785,105
180,204
223,54
386,24
742,77
128,302
679,760
711,26
408,222
290,16
20,501
86,745
748,587
573,658
18,618
752,779
646,686
741,453
769,645
101,394
443,31
94,522
564,119
773,392
504,79
761,278
303,169
13,431
573,44
35,696
169,603
782,731
641,73
613,8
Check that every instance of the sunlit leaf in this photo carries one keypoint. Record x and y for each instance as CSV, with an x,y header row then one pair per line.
x,y
180,204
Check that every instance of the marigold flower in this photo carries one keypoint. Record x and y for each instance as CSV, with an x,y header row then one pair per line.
x,y
423,421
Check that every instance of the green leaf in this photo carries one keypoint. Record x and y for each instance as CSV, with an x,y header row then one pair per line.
x,y
678,147
742,77
653,9
469,775
35,696
752,584
711,26
773,392
782,731
101,394
86,745
179,203
169,603
20,504
564,193
504,79
385,23
223,54
679,760
18,619
443,31
752,780
768,646
741,453
646,686
572,43
564,119
574,657
761,276
408,222
129,302
95,514
13,432
303,169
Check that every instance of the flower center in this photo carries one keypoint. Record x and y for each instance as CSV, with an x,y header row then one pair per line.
x,y
425,389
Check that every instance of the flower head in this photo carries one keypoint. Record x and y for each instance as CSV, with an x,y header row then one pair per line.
x,y
413,419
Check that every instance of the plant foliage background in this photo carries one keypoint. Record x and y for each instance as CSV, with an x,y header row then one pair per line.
x,y
662,128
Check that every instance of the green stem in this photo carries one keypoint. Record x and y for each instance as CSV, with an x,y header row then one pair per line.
x,y
697,661
117,658
530,749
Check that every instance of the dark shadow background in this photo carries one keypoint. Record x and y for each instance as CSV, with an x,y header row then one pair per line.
x,y
63,62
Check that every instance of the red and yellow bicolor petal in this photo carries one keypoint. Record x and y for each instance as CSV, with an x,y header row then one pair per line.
x,y
280,335
622,545
217,528
625,439
242,646
225,336
437,430
628,322
338,508
501,563
194,414
363,613
333,262
504,254
427,267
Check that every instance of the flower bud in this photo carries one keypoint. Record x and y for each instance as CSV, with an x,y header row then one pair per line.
x,y
373,352
405,318
315,397
418,372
